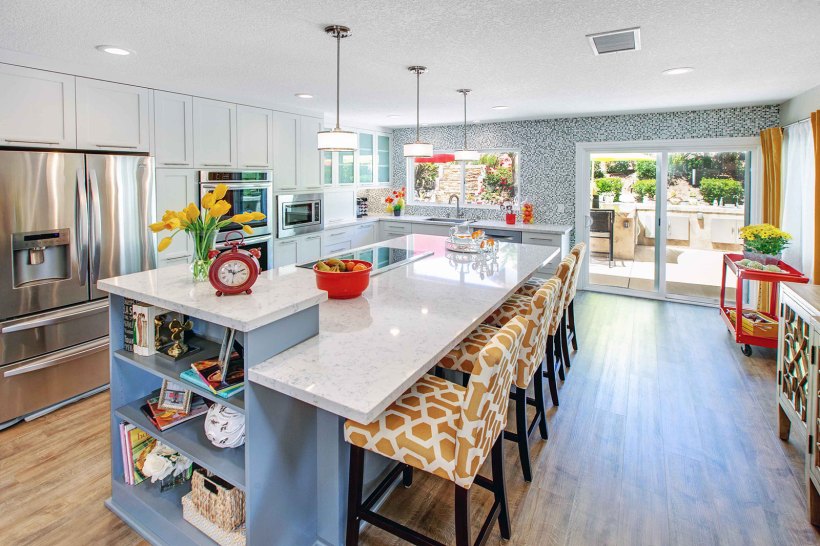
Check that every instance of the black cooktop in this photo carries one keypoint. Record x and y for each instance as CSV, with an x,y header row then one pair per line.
x,y
382,257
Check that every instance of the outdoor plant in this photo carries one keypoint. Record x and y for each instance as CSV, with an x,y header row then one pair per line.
x,y
764,238
713,189
643,188
645,169
597,172
610,185
618,167
425,178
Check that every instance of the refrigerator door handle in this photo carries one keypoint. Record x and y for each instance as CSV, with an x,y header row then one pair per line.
x,y
96,216
55,359
81,227
49,319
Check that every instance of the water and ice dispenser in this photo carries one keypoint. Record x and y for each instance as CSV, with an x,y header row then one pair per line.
x,y
40,256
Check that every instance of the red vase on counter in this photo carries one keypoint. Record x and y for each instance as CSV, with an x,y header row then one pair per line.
x,y
510,218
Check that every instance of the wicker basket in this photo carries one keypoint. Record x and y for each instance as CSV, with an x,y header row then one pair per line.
x,y
217,500
220,536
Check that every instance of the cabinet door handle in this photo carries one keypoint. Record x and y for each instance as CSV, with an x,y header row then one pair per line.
x,y
337,234
216,164
116,146
287,187
175,164
11,141
313,237
256,166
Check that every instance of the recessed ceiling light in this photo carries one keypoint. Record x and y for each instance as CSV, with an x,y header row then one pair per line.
x,y
678,71
502,107
114,50
304,95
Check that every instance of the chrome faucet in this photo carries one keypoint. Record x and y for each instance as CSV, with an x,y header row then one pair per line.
x,y
459,214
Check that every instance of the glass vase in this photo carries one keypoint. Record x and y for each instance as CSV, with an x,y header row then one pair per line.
x,y
201,264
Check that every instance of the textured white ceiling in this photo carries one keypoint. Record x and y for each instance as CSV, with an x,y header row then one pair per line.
x,y
529,54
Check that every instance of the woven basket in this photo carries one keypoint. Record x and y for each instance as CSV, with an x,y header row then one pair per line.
x,y
220,536
217,500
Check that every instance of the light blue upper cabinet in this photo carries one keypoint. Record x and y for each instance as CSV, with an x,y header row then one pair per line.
x,y
365,158
347,168
383,159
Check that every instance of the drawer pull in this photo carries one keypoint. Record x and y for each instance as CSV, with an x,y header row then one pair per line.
x,y
55,359
116,146
53,318
49,142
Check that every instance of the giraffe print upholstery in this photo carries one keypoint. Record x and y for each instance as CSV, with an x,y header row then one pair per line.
x,y
537,310
443,428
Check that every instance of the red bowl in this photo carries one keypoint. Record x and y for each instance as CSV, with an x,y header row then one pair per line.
x,y
344,285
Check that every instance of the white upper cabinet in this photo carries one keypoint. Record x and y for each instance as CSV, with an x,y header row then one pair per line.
x,y
310,160
112,116
175,189
285,151
173,129
382,159
214,133
254,134
36,108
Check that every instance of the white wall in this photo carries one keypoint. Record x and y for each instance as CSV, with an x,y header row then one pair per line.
x,y
800,106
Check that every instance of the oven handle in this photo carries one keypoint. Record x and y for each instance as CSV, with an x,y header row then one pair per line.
x,y
238,186
251,241
53,318
55,359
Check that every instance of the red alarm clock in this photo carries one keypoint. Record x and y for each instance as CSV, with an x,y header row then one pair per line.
x,y
234,270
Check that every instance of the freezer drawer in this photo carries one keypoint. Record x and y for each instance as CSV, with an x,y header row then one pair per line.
x,y
36,335
40,382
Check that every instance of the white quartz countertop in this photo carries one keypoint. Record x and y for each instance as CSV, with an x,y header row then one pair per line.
x,y
277,294
493,224
371,349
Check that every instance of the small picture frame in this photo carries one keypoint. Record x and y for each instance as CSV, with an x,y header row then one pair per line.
x,y
174,397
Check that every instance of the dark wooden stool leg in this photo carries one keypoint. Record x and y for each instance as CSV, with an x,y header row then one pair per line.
x,y
407,475
500,488
540,408
439,372
550,371
521,432
563,341
354,494
572,324
559,356
463,531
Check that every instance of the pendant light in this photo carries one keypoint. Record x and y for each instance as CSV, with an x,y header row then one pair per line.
x,y
418,148
466,154
337,140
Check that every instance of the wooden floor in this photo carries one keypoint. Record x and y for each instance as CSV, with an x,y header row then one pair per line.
x,y
665,435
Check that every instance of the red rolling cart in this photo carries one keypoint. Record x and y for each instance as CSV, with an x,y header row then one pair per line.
x,y
733,316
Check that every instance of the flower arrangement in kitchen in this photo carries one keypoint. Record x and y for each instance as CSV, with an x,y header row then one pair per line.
x,y
395,202
203,228
763,242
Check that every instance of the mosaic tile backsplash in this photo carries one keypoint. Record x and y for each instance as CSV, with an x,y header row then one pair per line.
x,y
548,149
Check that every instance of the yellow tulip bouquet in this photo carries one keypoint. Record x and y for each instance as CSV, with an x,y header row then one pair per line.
x,y
203,228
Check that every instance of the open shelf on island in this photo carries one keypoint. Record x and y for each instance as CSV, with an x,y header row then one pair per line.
x,y
150,511
169,369
189,439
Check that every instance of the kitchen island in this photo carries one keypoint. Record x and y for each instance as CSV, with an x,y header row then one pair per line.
x,y
311,364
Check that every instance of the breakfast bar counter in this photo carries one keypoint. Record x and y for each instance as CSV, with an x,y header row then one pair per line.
x,y
310,364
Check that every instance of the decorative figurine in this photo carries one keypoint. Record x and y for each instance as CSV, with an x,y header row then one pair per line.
x,y
178,329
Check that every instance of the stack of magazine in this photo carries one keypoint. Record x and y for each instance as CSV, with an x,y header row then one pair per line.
x,y
165,419
136,444
208,374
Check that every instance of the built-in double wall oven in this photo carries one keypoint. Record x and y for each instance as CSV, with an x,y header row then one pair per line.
x,y
248,191
299,214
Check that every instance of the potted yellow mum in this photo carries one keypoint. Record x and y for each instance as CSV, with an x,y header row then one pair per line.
x,y
203,227
764,243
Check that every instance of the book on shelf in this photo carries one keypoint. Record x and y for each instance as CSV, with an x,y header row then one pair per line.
x,y
140,445
128,324
125,449
165,419
148,322
193,377
210,372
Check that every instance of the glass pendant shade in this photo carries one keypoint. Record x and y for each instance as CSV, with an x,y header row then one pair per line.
x,y
418,149
337,141
467,155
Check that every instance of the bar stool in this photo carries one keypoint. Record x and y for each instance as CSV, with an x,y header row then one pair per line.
x,y
537,311
444,429
579,251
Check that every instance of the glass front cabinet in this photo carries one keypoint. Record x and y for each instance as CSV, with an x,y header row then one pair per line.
x,y
367,166
798,385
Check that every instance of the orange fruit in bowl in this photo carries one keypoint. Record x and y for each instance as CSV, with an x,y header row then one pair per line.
x,y
477,233
359,267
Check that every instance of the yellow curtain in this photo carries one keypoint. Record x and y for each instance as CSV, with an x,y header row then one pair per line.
x,y
815,128
771,141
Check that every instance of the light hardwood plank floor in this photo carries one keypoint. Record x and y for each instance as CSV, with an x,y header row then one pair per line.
x,y
666,434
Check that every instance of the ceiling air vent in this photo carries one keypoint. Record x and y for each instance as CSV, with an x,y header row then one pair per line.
x,y
628,39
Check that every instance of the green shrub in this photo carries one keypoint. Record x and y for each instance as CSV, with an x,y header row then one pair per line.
x,y
644,188
618,167
645,169
610,185
716,188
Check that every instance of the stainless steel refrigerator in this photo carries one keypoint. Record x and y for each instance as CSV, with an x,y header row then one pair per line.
x,y
66,220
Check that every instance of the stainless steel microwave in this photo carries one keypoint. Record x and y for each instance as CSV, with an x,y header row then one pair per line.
x,y
248,191
299,214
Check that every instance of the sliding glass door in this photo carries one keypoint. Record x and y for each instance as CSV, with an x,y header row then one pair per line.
x,y
658,216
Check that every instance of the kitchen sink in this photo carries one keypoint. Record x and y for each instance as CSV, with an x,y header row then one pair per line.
x,y
449,220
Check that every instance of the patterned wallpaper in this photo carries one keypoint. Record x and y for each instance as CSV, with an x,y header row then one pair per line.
x,y
548,149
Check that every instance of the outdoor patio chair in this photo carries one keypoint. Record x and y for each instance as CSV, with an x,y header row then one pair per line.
x,y
603,227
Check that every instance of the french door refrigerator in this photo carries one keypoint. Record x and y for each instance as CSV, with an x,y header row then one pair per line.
x,y
66,220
